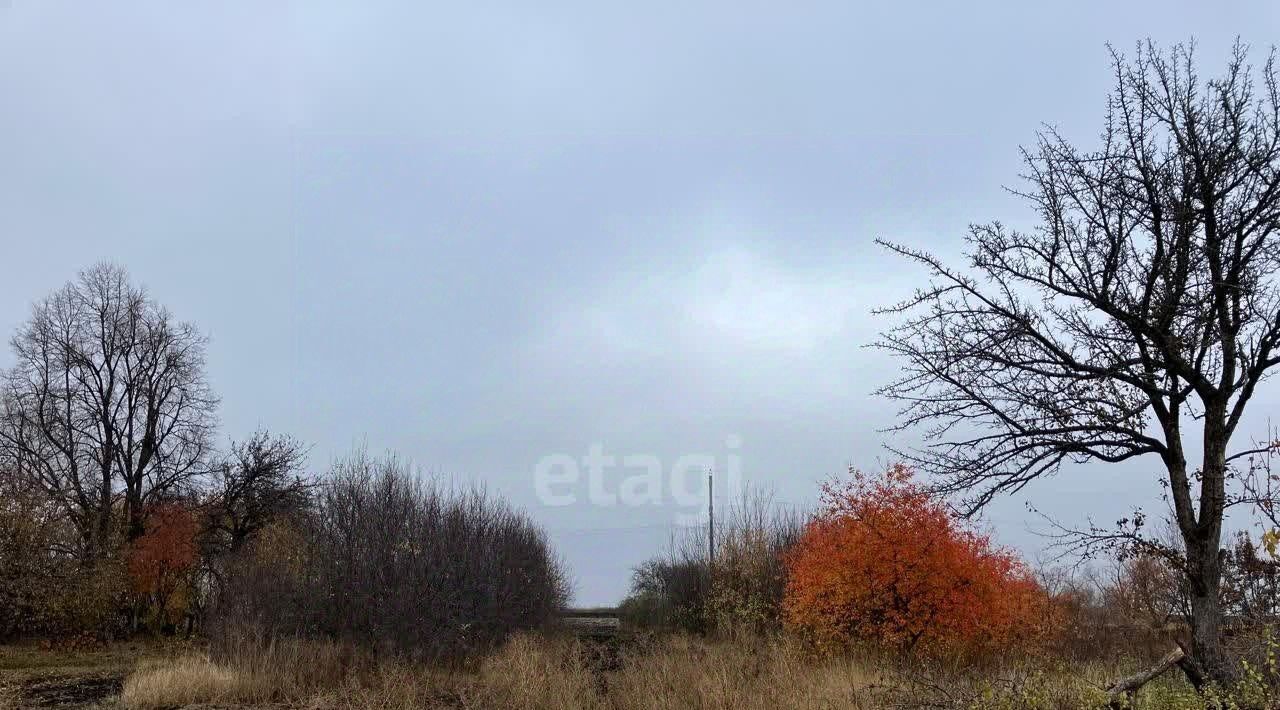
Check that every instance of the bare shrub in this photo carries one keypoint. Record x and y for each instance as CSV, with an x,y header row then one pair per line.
x,y
29,528
1251,582
749,579
1109,612
669,592
741,591
398,566
45,589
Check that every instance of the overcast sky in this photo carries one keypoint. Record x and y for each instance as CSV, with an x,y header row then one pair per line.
x,y
483,235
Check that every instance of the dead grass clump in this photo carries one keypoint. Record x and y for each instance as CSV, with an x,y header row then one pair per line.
x,y
185,681
391,687
536,673
296,665
685,672
249,673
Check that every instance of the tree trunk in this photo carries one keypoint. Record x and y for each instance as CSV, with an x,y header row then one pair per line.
x,y
1204,562
1204,574
1207,660
136,519
102,543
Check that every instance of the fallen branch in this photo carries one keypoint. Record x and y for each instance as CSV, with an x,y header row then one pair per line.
x,y
1126,688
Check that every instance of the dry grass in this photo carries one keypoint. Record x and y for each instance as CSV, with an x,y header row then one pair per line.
x,y
690,673
530,672
186,681
200,681
34,676
560,673
248,673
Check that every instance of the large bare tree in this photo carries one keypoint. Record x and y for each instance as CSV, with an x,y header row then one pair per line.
x,y
1136,317
107,406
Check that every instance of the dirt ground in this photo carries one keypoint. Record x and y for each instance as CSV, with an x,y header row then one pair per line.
x,y
33,677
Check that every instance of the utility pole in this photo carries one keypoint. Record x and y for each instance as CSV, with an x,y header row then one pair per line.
x,y
711,520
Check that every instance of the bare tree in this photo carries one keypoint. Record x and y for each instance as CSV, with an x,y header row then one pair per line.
x,y
1136,318
256,482
107,402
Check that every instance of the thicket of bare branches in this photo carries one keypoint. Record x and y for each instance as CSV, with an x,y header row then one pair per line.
x,y
46,589
389,562
1137,317
741,590
255,483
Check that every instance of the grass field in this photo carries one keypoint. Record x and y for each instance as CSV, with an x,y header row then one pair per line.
x,y
36,677
535,673
531,672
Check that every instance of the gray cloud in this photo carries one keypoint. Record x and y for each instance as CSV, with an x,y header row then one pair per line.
x,y
482,236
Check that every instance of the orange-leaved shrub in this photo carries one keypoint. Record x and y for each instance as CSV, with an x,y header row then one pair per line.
x,y
161,561
886,562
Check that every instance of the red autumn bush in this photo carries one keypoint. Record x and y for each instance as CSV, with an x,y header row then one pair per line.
x,y
161,560
887,562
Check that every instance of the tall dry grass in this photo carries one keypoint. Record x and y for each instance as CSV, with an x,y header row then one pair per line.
x,y
248,673
684,672
550,672
534,672
189,680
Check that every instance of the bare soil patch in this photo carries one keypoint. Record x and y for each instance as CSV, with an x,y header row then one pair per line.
x,y
33,677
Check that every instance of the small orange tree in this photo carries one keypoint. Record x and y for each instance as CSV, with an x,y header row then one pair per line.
x,y
161,560
887,562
